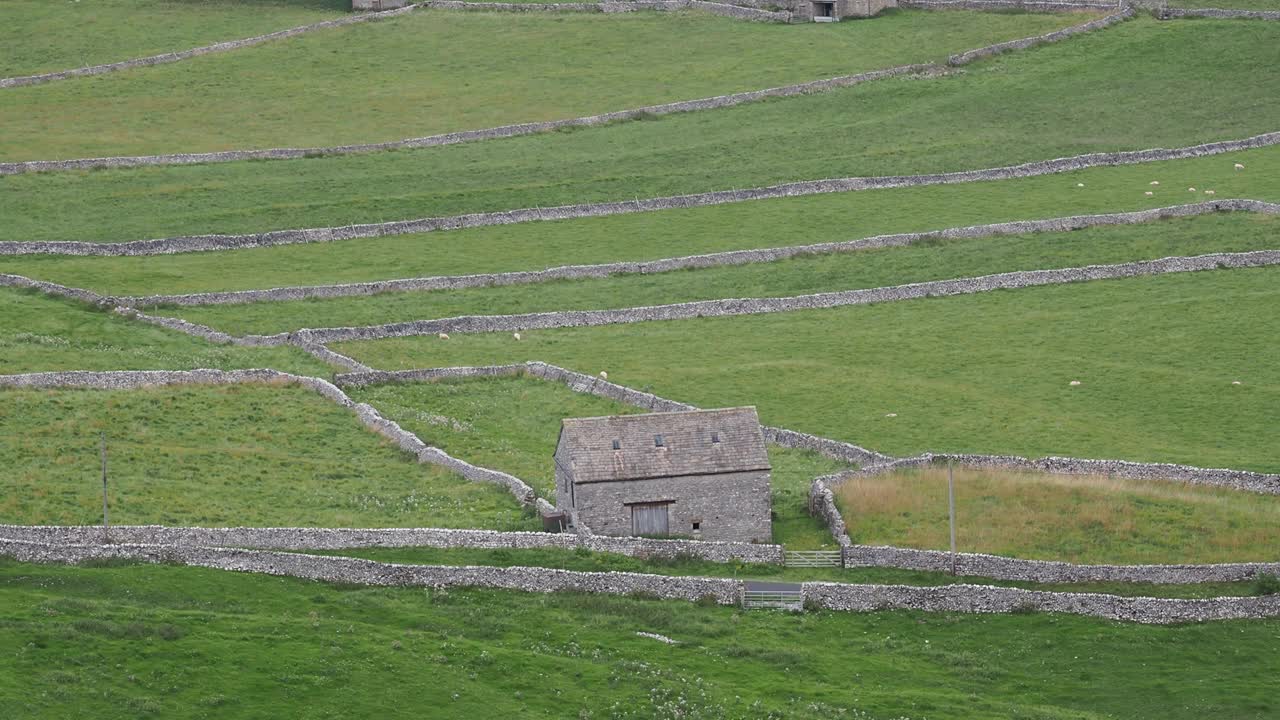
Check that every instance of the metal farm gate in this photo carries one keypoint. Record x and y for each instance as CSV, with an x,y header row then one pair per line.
x,y
814,558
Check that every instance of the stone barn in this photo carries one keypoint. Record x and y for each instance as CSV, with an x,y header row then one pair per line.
x,y
700,474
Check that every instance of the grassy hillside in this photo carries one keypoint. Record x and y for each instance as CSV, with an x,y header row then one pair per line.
x,y
440,71
642,236
181,642
41,36
39,333
1055,517
1003,111
513,424
223,456
798,276
986,373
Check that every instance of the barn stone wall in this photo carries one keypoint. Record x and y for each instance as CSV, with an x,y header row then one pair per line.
x,y
730,507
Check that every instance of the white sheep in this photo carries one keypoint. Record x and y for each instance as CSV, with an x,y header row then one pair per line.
x,y
1235,382
1210,192
1079,184
1191,189
1148,193
1155,182
604,375
1074,383
516,336
443,336
891,414
1239,166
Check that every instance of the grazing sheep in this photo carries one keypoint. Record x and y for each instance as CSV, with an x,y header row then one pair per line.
x,y
1155,182
1079,184
1210,192
515,335
604,375
891,414
1191,189
443,336
1235,382
1074,383
1149,193
1239,166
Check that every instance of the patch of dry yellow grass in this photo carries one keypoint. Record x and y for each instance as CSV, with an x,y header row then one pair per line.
x,y
1089,519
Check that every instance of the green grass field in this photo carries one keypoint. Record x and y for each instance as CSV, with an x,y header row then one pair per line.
x,y
440,71
189,642
512,424
982,373
39,333
1002,111
223,457
641,236
798,276
45,37
1054,517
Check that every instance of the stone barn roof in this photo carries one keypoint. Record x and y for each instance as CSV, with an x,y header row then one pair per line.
x,y
670,444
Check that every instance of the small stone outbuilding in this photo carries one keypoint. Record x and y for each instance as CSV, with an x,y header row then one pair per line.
x,y
834,10
701,474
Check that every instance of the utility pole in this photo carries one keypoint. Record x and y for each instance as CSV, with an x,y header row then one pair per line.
x,y
106,525
951,511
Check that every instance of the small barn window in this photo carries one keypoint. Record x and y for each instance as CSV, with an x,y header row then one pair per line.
x,y
617,444
715,437
658,441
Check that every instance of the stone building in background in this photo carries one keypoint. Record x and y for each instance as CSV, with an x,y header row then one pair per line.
x,y
701,474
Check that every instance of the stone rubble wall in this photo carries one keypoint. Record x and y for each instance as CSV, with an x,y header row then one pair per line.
x,y
367,414
368,572
719,259
822,505
203,243
1046,571
967,57
196,52
353,538
725,591
987,599
1027,5
765,305
462,136
1220,13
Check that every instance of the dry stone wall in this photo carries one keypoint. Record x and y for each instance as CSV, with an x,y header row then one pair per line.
x,y
453,138
368,572
1220,13
831,596
757,306
351,538
987,599
720,259
196,52
1026,5
1044,571
203,243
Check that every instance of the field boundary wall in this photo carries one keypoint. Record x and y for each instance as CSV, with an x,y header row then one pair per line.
x,y
204,243
724,591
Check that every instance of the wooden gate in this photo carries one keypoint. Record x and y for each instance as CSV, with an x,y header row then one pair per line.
x,y
772,600
814,558
650,519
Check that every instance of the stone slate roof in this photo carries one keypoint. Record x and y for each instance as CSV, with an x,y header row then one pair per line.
x,y
586,444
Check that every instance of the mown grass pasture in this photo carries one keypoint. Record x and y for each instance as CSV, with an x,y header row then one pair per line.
x,y
430,72
979,373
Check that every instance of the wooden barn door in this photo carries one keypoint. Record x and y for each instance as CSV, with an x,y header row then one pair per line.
x,y
649,519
